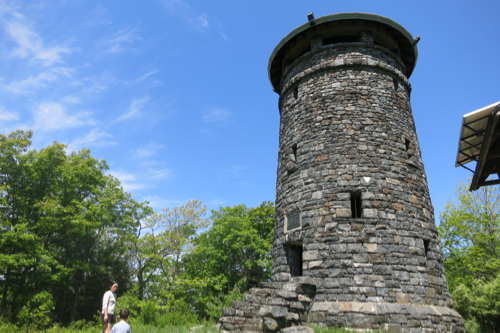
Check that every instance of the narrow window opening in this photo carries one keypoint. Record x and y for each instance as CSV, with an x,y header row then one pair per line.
x,y
341,39
396,84
295,92
294,153
426,246
356,204
294,258
407,144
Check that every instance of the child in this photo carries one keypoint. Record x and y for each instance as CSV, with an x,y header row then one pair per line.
x,y
122,326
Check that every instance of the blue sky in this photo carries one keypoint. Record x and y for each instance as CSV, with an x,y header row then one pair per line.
x,y
174,94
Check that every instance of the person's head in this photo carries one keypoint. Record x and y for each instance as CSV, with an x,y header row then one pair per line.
x,y
124,314
113,286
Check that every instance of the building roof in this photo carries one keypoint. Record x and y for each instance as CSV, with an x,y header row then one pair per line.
x,y
344,23
480,141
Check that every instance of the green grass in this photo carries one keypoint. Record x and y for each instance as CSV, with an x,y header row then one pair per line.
x,y
136,328
335,330
140,328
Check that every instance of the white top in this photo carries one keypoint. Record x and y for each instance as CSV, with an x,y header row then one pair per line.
x,y
109,301
121,327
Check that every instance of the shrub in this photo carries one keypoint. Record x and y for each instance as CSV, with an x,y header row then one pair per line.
x,y
216,303
36,313
479,305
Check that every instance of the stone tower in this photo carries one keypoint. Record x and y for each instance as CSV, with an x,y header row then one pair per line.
x,y
355,237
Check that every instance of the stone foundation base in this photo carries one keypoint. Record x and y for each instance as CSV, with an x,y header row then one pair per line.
x,y
392,317
287,307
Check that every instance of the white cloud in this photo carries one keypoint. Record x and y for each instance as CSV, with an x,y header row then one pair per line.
x,y
159,203
200,22
70,99
231,172
97,17
95,83
145,76
7,116
159,173
147,151
93,138
41,80
217,115
52,116
128,180
120,41
135,108
31,44
223,36
176,6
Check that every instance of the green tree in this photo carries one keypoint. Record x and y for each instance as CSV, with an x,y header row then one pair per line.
x,y
479,305
237,246
470,235
63,226
156,256
470,238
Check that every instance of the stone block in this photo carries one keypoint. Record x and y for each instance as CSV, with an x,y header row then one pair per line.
x,y
316,317
357,320
286,294
270,324
251,298
343,212
371,247
276,301
273,311
315,264
370,213
228,311
403,298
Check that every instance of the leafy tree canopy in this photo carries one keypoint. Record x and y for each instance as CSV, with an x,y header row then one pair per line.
x,y
63,226
470,235
237,246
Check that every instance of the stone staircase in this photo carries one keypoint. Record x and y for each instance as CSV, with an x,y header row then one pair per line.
x,y
273,307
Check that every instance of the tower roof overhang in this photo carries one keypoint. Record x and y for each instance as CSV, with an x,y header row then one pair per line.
x,y
480,141
344,24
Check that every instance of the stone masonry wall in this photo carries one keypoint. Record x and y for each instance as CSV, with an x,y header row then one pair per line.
x,y
354,220
348,114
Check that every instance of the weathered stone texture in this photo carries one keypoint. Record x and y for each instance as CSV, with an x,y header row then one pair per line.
x,y
350,166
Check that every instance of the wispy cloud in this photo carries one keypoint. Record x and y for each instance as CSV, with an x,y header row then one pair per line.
x,y
135,108
159,173
30,44
52,116
6,115
71,99
235,171
216,115
120,41
158,203
176,6
147,151
199,22
41,80
145,76
94,138
128,180
97,17
95,84
196,21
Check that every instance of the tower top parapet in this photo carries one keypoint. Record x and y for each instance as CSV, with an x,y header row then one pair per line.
x,y
343,28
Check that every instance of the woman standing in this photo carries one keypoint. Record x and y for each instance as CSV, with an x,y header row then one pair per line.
x,y
108,308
